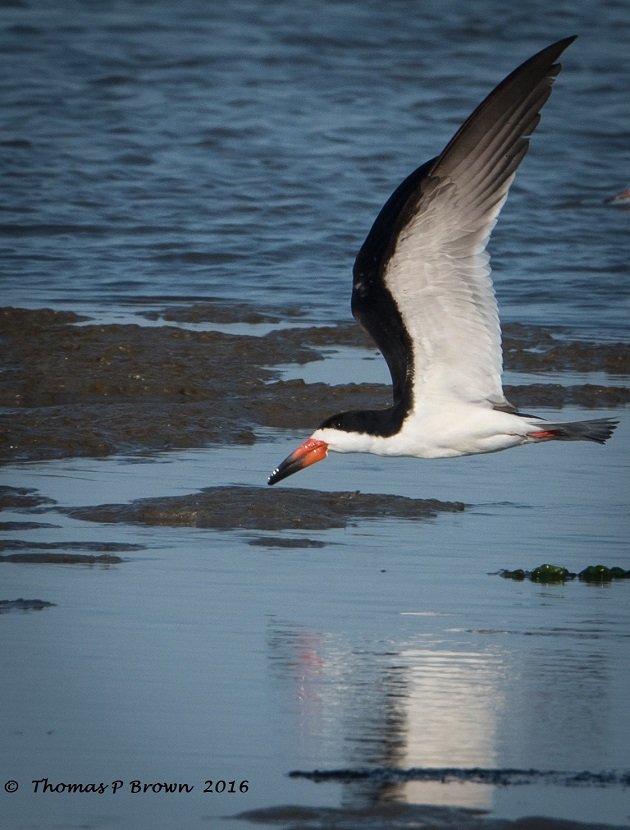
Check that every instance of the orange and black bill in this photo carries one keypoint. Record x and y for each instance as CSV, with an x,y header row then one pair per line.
x,y
306,454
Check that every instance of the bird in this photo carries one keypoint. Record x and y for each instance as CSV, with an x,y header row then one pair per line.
x,y
422,290
622,198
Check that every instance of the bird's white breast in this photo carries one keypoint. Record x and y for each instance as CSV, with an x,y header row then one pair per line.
x,y
444,430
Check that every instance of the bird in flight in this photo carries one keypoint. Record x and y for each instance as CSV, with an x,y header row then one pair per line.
x,y
422,290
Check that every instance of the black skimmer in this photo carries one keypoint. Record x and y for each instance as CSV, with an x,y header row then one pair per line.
x,y
422,290
622,198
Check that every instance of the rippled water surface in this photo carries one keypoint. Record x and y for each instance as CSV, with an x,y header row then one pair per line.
x,y
156,152
243,148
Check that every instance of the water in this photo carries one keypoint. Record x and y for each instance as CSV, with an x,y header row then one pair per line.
x,y
240,150
244,148
394,645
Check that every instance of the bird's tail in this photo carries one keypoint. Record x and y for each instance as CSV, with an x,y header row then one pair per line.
x,y
599,430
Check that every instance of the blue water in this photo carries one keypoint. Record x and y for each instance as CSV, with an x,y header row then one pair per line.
x,y
152,152
242,149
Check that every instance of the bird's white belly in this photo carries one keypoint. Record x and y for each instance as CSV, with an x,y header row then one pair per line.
x,y
453,431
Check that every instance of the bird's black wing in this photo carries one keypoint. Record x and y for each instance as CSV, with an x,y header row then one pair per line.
x,y
422,286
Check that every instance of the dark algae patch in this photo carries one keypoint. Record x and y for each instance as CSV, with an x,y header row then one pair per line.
x,y
260,508
61,559
71,387
63,553
221,311
285,542
94,390
601,573
7,605
11,527
100,547
22,498
20,552
556,573
394,815
535,349
549,573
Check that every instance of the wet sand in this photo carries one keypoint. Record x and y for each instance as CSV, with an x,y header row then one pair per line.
x,y
96,390
260,509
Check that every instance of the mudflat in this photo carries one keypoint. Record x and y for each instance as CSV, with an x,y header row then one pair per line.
x,y
72,387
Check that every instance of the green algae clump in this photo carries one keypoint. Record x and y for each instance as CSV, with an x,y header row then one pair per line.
x,y
551,573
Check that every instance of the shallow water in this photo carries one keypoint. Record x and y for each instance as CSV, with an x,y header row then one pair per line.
x,y
177,152
203,656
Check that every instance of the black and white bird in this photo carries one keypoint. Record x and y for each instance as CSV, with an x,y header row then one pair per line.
x,y
622,198
422,290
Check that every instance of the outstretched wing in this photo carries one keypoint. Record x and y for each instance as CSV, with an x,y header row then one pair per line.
x,y
422,285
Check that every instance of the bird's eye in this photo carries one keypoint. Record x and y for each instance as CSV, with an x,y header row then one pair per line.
x,y
331,423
